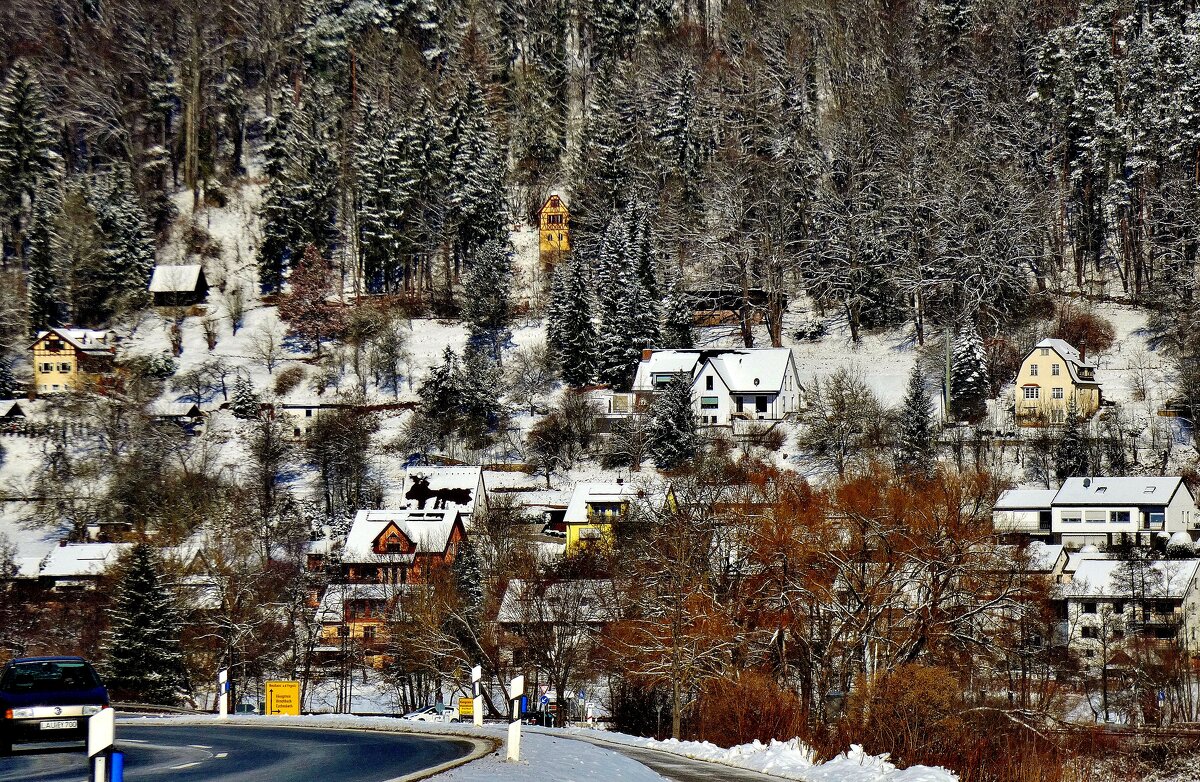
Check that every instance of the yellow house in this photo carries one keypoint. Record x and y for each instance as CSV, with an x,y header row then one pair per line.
x,y
64,359
593,509
1053,377
554,230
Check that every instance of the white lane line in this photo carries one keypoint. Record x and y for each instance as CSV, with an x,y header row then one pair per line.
x,y
133,741
222,754
200,746
185,765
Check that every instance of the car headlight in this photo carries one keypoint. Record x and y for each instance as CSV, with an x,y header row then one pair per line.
x,y
89,710
21,714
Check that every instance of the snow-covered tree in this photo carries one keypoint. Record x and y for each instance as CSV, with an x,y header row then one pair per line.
x,y
244,403
570,332
477,172
306,307
914,444
487,308
1072,456
144,661
44,282
126,242
672,439
26,136
9,387
677,319
969,383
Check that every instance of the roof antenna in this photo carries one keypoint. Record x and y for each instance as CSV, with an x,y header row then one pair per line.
x,y
1087,482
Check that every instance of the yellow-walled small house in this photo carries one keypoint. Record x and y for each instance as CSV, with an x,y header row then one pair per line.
x,y
1054,377
66,359
591,512
554,230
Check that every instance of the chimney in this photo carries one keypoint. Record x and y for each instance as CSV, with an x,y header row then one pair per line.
x,y
620,481
647,353
1082,354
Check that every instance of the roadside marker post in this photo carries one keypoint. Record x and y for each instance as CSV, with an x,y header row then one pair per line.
x,y
223,693
104,764
477,696
515,692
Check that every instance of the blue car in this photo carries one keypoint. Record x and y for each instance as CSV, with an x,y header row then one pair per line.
x,y
48,699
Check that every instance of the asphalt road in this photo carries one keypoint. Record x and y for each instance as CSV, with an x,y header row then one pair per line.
x,y
678,768
242,754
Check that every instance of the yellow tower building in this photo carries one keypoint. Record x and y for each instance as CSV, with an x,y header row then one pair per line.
x,y
554,229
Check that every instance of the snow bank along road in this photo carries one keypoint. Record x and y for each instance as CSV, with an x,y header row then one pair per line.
x,y
215,753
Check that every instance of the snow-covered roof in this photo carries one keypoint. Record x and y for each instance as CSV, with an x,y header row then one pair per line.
x,y
10,408
429,530
758,370
1117,491
1071,356
665,362
1077,558
558,602
175,279
1025,499
1102,578
588,493
95,343
175,410
75,560
741,369
333,600
1042,556
455,487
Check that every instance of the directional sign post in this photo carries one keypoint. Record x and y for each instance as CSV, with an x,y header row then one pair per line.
x,y
283,698
223,692
515,691
477,696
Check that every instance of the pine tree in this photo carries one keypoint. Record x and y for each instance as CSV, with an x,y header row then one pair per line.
x,y
570,333
26,137
385,186
969,385
672,436
915,443
1071,456
244,402
677,319
624,334
127,246
477,172
45,285
144,659
9,387
487,308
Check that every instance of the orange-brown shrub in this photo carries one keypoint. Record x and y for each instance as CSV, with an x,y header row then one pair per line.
x,y
1085,330
748,707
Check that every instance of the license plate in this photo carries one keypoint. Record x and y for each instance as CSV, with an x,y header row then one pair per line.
x,y
60,724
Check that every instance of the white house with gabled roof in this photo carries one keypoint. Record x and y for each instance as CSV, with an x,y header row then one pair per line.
x,y
741,383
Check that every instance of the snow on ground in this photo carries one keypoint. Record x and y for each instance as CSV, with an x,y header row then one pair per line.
x,y
546,757
787,759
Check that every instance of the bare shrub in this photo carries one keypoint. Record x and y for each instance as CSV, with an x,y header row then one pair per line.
x,y
288,380
747,707
1084,329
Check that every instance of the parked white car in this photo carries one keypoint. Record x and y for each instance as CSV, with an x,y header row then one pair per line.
x,y
432,714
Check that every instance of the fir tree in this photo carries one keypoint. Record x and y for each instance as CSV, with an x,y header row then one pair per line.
x,y
127,246
476,173
44,282
467,570
969,385
624,334
915,444
677,320
570,333
9,387
672,437
144,659
244,400
487,308
1071,456
26,136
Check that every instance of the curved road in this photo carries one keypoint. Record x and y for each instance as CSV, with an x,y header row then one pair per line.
x,y
243,754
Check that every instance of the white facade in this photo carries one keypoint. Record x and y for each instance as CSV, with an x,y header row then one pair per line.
x,y
748,384
1104,613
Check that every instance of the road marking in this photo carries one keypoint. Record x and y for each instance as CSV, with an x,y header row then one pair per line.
x,y
200,746
134,741
222,754
185,765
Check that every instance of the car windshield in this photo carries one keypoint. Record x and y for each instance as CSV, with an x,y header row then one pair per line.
x,y
49,676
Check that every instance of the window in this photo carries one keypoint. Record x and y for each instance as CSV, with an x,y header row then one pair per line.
x,y
760,404
65,366
369,633
708,383
46,367
1055,370
1033,370
393,547
1101,489
1155,520
1056,393
1118,517
1118,606
1095,517
709,403
1071,516
1032,392
1090,632
741,404
1148,490
296,433
1088,608
1045,351
308,413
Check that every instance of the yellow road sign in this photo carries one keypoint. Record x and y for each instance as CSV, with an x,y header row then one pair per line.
x,y
466,707
283,698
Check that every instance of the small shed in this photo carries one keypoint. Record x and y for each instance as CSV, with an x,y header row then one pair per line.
x,y
176,286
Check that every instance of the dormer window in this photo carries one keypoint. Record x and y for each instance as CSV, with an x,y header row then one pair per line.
x,y
54,345
1101,489
1045,352
1149,490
